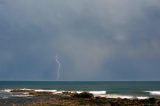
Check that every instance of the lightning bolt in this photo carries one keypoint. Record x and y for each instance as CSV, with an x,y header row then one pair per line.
x,y
59,66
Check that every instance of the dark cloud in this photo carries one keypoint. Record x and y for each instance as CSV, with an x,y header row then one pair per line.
x,y
95,40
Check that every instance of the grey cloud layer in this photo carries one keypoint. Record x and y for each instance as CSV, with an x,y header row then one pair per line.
x,y
93,38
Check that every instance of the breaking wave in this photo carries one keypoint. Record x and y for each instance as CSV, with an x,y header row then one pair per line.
x,y
124,96
153,92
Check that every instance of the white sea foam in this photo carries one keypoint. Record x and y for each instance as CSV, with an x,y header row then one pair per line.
x,y
123,96
77,91
26,89
42,90
153,92
6,90
98,92
39,90
118,96
143,97
58,92
70,91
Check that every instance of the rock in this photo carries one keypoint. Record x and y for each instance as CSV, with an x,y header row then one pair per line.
x,y
83,95
19,90
65,96
158,103
41,93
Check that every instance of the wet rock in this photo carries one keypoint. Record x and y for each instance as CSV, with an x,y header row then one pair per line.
x,y
20,90
83,95
41,93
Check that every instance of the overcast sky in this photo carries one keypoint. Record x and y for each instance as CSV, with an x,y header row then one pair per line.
x,y
94,39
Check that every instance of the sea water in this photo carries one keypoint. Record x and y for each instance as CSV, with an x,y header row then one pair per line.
x,y
110,89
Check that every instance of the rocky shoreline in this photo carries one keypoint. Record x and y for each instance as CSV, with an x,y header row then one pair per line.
x,y
71,99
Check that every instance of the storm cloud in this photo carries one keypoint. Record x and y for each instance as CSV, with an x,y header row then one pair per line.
x,y
95,40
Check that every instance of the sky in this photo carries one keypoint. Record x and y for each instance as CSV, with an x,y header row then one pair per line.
x,y
94,40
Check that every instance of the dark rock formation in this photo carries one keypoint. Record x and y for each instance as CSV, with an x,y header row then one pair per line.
x,y
82,95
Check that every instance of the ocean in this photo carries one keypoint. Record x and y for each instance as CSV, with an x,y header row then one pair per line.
x,y
110,89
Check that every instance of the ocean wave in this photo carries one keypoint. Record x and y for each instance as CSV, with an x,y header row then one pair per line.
x,y
143,97
123,96
42,90
26,89
6,90
93,92
119,96
98,92
153,92
39,90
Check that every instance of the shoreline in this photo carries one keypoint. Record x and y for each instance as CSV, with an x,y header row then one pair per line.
x,y
24,92
41,98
